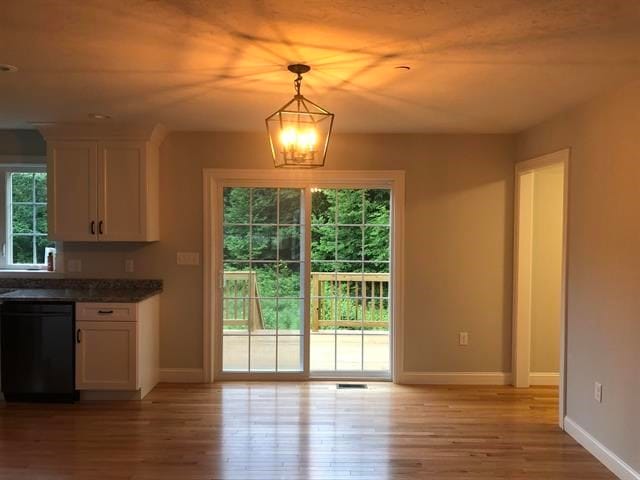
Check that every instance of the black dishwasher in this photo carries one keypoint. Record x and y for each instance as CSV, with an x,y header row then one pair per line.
x,y
38,351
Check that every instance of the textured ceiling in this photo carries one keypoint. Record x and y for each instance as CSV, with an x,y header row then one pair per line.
x,y
476,65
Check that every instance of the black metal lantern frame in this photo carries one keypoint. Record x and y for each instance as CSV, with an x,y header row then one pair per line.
x,y
299,132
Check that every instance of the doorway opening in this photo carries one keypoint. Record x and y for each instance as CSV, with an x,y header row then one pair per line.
x,y
540,272
302,274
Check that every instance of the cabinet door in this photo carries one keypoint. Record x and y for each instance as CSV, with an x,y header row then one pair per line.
x,y
122,191
106,356
72,198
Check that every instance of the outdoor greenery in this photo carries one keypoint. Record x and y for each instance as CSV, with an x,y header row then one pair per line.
x,y
28,208
350,226
263,234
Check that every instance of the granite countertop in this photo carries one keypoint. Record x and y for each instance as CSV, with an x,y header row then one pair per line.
x,y
101,295
98,291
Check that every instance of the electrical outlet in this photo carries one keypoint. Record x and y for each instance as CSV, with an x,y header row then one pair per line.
x,y
597,392
74,265
463,338
129,266
188,258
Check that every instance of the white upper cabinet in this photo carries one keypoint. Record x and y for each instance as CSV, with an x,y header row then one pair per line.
x,y
73,201
122,191
103,188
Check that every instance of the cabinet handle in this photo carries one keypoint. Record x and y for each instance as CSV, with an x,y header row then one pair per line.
x,y
93,227
100,223
105,312
78,338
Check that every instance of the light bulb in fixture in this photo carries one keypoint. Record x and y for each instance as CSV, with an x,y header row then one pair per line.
x,y
288,137
307,140
304,141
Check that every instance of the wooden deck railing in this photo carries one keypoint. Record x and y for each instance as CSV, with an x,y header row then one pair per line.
x,y
338,300
344,300
241,301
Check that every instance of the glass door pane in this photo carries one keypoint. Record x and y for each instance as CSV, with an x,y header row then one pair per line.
x,y
350,254
263,292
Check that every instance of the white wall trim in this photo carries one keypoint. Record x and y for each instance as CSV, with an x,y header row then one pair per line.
x,y
521,326
598,450
544,378
214,179
456,378
272,176
181,375
522,277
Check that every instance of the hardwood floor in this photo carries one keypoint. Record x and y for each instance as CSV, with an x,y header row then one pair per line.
x,y
296,431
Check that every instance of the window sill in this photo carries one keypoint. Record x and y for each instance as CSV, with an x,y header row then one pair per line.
x,y
14,273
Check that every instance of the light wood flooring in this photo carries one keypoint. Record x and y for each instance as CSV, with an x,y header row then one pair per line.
x,y
296,431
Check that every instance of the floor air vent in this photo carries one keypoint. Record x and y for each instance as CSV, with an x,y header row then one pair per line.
x,y
349,386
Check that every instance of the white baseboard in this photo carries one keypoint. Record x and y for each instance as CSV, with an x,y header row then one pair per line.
x,y
598,450
455,378
181,375
544,378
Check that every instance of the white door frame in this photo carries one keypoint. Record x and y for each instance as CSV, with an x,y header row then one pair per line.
x,y
213,179
522,272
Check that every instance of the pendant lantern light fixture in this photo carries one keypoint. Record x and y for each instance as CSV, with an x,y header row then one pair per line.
x,y
299,131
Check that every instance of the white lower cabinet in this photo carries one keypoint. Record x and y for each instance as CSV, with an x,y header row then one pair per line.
x,y
116,352
106,356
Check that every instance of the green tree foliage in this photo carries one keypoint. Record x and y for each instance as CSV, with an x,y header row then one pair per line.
x,y
29,217
349,233
350,225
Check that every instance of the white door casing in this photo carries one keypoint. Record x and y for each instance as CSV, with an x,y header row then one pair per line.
x,y
522,270
214,179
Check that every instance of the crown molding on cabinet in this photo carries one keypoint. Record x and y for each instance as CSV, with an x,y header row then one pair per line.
x,y
154,134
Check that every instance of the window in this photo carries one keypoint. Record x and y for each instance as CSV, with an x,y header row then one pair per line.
x,y
264,301
25,241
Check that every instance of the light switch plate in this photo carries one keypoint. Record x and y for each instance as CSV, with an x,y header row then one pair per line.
x,y
74,265
463,338
188,258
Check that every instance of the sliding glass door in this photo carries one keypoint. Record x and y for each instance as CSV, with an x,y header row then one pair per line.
x,y
263,292
350,252
305,281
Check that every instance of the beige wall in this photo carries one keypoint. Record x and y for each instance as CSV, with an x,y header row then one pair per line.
x,y
458,240
603,331
546,285
21,142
